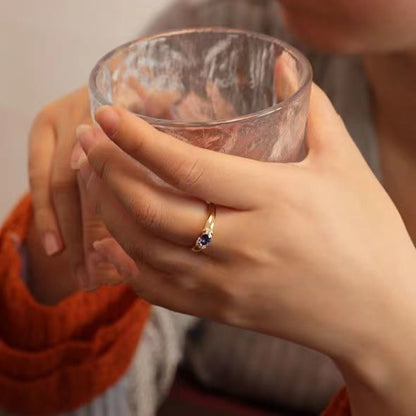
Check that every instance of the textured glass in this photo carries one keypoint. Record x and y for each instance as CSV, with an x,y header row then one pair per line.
x,y
227,90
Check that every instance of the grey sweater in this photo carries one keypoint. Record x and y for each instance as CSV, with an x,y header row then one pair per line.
x,y
236,361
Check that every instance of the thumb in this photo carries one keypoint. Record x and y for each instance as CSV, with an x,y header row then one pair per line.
x,y
326,132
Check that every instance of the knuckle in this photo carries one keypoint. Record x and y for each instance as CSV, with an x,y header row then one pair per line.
x,y
227,292
186,280
43,117
133,140
37,176
183,269
94,229
231,298
43,217
63,185
114,132
103,272
139,252
101,159
133,146
150,215
187,175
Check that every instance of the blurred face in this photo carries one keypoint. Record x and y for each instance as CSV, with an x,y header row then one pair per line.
x,y
353,26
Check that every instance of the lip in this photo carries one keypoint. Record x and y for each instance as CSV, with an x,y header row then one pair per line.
x,y
165,123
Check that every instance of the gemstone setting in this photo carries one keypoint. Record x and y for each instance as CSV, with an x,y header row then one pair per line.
x,y
205,239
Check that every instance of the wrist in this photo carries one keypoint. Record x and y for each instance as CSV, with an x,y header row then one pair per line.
x,y
380,371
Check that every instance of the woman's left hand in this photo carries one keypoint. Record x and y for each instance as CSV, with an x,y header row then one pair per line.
x,y
314,252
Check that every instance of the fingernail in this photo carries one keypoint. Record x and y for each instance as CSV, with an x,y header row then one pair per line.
x,y
100,252
83,130
98,245
51,243
107,118
77,157
86,136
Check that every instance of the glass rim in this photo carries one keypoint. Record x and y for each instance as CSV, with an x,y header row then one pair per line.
x,y
166,123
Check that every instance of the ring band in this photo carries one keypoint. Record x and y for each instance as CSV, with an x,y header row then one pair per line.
x,y
205,238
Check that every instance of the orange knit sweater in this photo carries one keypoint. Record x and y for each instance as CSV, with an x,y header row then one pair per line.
x,y
339,406
71,352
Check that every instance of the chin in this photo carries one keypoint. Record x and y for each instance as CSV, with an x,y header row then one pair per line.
x,y
325,37
333,45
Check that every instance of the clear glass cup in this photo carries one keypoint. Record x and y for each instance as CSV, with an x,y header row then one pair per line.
x,y
227,90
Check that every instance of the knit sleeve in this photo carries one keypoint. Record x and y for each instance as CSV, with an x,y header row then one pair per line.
x,y
73,351
339,406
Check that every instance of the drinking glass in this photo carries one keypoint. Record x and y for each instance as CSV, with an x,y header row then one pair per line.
x,y
226,90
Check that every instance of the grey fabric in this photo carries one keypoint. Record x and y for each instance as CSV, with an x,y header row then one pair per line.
x,y
158,355
262,368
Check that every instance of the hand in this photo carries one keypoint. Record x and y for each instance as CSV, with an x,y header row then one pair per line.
x,y
297,248
64,222
314,252
173,105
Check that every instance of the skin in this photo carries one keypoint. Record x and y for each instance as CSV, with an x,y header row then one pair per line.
x,y
332,293
393,102
356,27
378,30
65,225
377,364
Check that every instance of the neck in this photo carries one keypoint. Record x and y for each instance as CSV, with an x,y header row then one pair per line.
x,y
392,78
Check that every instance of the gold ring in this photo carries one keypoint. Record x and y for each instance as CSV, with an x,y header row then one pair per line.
x,y
205,238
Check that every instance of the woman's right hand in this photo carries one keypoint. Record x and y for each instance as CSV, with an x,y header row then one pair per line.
x,y
64,222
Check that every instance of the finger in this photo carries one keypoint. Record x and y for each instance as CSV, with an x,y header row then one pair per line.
x,y
98,271
222,108
138,243
153,103
286,81
77,154
67,205
167,214
194,108
173,292
208,175
41,153
133,95
109,249
150,284
326,131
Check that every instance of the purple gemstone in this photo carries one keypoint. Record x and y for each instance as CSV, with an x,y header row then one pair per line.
x,y
205,239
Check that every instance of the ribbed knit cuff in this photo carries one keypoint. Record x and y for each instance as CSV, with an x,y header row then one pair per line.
x,y
339,406
71,352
